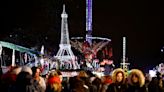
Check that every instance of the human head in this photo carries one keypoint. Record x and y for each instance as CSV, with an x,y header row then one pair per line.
x,y
36,71
54,84
118,75
136,76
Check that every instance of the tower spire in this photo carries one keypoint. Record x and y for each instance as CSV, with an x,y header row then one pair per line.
x,y
63,8
124,64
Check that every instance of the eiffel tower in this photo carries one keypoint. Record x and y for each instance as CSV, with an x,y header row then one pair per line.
x,y
65,55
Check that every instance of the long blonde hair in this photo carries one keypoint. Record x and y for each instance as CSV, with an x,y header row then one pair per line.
x,y
56,87
54,83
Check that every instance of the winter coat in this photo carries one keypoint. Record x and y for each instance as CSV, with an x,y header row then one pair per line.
x,y
115,86
140,86
136,88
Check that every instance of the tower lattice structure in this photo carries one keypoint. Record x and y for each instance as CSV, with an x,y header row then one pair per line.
x,y
65,54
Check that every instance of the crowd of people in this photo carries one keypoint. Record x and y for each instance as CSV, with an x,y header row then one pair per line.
x,y
26,79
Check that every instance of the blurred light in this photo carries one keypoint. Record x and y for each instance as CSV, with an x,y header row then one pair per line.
x,y
152,73
98,74
46,37
161,50
11,35
16,35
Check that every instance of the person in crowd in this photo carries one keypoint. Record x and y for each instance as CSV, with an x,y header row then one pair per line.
x,y
53,73
161,85
84,77
136,81
156,84
54,84
37,78
118,81
82,74
106,81
24,82
60,75
97,84
80,83
64,81
8,79
79,86
65,84
147,81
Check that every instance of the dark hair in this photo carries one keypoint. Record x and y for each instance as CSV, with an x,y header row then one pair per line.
x,y
97,82
58,72
34,70
158,74
24,78
1,71
135,76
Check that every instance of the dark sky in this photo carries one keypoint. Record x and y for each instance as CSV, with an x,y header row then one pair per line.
x,y
38,21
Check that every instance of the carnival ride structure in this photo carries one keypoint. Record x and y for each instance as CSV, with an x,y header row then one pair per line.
x,y
26,55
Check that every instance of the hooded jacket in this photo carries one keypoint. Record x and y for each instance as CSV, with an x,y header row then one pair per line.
x,y
114,74
116,86
140,86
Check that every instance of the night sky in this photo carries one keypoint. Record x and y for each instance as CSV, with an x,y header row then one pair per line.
x,y
36,22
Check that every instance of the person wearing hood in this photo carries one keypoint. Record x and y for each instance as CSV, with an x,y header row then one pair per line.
x,y
118,81
136,81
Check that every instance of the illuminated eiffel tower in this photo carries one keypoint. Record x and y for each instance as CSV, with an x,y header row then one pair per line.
x,y
65,54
